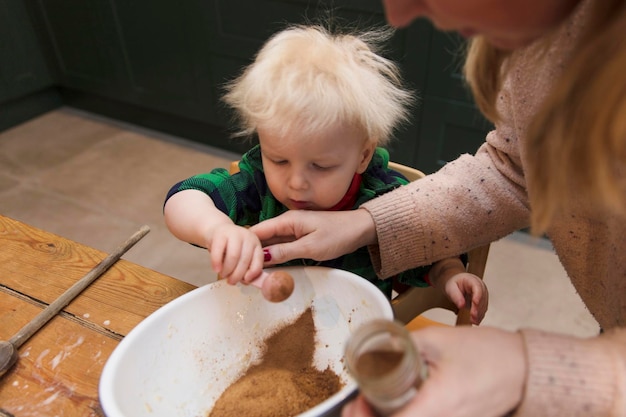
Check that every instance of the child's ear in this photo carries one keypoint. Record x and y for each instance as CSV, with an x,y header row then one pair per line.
x,y
366,156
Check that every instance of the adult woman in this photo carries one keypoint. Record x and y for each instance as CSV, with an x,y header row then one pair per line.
x,y
551,74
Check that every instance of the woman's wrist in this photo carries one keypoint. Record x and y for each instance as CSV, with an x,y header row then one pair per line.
x,y
365,227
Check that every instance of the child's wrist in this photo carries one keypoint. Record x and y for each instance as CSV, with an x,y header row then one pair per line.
x,y
443,271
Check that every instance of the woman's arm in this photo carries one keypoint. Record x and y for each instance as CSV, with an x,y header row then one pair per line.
x,y
488,372
569,376
469,202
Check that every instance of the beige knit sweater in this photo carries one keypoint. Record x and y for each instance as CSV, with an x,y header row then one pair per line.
x,y
478,199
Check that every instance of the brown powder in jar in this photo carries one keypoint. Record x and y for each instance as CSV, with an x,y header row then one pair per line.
x,y
377,363
285,382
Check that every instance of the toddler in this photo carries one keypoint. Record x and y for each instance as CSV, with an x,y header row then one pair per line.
x,y
322,106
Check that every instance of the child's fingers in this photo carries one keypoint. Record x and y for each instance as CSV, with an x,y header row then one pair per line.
x,y
457,296
476,314
480,302
225,253
216,255
237,259
256,265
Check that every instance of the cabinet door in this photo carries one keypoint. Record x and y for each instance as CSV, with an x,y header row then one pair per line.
x,y
444,123
22,66
85,41
173,58
449,122
141,52
237,29
23,71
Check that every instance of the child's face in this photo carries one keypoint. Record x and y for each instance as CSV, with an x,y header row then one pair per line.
x,y
313,172
507,24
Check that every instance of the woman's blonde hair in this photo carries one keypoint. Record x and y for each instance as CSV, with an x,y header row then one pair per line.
x,y
305,79
577,141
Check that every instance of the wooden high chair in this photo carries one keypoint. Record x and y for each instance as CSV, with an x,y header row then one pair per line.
x,y
409,305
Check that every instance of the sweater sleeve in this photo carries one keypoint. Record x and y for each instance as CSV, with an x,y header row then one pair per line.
x,y
479,198
475,199
574,377
471,201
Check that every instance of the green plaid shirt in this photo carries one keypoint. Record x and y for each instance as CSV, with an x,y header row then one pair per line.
x,y
247,200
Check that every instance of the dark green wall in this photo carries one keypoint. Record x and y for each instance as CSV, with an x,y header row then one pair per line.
x,y
161,64
26,84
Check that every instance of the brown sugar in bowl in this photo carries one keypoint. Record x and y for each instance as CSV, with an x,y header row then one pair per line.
x,y
181,358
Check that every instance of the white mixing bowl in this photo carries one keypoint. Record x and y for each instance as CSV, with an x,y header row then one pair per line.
x,y
180,359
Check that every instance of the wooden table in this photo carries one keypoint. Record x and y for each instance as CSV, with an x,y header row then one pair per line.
x,y
59,368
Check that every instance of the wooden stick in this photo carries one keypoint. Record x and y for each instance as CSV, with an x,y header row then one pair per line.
x,y
57,305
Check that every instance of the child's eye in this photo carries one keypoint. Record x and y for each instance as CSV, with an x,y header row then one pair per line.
x,y
321,168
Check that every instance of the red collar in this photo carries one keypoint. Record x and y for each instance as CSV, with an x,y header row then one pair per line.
x,y
348,200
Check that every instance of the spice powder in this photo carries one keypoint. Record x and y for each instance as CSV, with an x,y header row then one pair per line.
x,y
285,382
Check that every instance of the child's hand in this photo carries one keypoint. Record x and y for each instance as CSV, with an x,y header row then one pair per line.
x,y
464,287
236,253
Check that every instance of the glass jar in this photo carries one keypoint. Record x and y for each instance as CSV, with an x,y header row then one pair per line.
x,y
384,362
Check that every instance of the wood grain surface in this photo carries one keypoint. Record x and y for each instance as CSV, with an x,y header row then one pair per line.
x,y
58,370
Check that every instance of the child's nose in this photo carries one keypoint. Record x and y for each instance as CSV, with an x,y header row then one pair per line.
x,y
297,181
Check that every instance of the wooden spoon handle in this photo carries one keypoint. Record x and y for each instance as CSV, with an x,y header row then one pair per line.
x,y
57,305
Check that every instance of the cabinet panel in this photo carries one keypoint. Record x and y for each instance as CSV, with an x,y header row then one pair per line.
x,y
448,123
22,66
237,29
411,48
241,26
173,59
139,51
445,68
26,84
87,44
448,129
157,47
166,56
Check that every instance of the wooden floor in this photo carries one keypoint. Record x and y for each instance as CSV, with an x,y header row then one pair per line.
x,y
96,181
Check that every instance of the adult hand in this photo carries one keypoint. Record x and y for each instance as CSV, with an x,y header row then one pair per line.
x,y
472,372
318,235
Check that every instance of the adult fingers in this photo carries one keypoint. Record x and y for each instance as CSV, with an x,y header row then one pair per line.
x,y
451,355
284,252
279,228
357,408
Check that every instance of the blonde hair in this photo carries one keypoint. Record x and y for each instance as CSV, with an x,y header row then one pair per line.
x,y
578,137
306,79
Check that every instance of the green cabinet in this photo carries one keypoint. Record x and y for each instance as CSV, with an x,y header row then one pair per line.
x,y
162,64
25,81
139,52
445,123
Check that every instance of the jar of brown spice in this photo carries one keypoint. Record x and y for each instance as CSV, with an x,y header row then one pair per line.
x,y
384,362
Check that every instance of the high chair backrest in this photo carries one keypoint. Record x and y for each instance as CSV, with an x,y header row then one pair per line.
x,y
411,302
